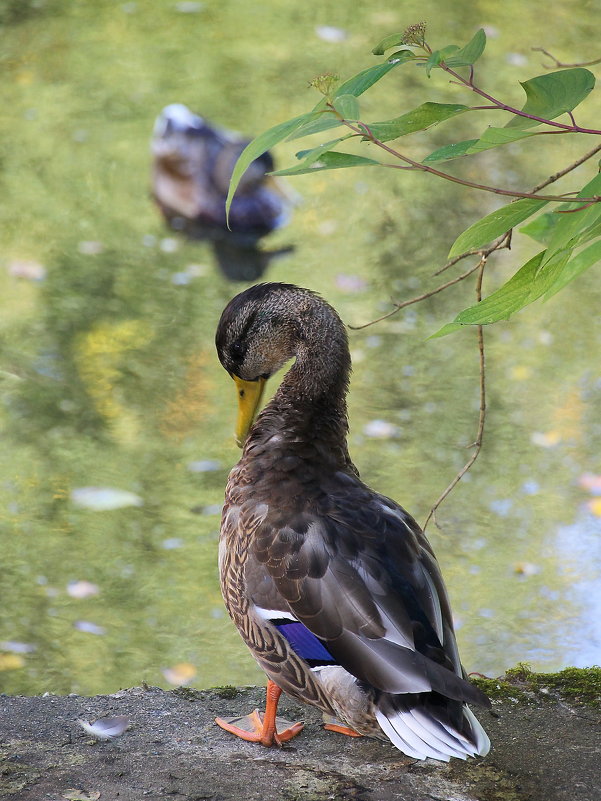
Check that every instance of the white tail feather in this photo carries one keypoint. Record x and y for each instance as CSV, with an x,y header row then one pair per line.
x,y
482,741
405,740
420,734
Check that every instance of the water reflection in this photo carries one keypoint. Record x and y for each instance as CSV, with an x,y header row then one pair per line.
x,y
118,420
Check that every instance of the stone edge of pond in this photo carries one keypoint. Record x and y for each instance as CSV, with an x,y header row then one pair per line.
x,y
545,730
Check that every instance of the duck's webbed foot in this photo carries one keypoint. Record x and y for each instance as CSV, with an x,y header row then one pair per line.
x,y
263,727
333,724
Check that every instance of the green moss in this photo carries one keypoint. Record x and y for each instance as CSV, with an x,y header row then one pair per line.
x,y
578,684
499,689
227,691
188,693
490,783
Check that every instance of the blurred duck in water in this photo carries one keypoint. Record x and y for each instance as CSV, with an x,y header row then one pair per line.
x,y
192,166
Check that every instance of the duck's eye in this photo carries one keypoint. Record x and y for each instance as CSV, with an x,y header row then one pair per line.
x,y
237,351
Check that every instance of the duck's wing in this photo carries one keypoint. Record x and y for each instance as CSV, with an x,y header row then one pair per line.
x,y
356,572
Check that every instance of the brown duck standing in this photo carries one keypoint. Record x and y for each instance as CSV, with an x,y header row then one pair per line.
x,y
192,166
333,587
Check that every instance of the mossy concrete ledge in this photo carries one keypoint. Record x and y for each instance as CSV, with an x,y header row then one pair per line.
x,y
545,729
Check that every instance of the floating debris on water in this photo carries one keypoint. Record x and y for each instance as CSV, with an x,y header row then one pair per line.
x,y
90,247
102,499
180,674
331,34
590,482
89,628
547,440
172,544
82,589
204,466
27,268
380,429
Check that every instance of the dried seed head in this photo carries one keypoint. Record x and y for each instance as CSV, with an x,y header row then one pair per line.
x,y
324,83
415,34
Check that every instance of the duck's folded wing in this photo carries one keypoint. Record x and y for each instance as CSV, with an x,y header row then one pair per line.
x,y
369,596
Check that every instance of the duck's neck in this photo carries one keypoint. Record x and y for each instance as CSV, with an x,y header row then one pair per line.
x,y
309,408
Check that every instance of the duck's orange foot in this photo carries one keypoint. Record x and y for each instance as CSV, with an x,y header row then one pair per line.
x,y
332,724
255,729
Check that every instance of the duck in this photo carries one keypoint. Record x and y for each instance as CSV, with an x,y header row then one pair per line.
x,y
333,587
191,170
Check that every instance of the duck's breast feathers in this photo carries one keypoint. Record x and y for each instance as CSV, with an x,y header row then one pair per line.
x,y
357,575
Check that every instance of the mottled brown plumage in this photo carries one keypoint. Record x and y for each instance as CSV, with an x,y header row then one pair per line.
x,y
333,587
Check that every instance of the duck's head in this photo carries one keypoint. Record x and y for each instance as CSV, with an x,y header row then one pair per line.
x,y
257,334
177,138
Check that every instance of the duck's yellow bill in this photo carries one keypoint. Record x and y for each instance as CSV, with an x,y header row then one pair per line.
x,y
249,398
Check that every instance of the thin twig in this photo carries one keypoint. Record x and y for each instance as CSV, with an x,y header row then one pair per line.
x,y
563,64
469,84
477,444
566,170
502,242
364,130
403,304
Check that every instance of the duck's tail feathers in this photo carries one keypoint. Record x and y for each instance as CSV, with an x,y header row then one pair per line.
x,y
424,729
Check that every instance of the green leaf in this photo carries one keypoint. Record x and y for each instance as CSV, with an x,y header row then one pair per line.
x,y
330,160
419,119
359,83
440,55
323,121
449,151
392,40
527,285
311,155
454,56
347,106
494,137
552,94
541,228
258,146
495,224
470,53
573,221
581,262
402,56
363,80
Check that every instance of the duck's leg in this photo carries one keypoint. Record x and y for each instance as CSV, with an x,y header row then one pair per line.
x,y
264,728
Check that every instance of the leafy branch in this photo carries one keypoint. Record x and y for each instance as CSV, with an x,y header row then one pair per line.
x,y
570,234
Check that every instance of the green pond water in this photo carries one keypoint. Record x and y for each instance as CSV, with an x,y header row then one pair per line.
x,y
109,377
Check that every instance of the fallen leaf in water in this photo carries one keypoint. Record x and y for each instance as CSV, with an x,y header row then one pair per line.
x,y
103,499
11,661
547,440
16,647
106,728
89,628
590,482
350,283
90,247
82,589
204,466
520,372
380,429
526,569
594,506
330,34
28,269
172,543
180,674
